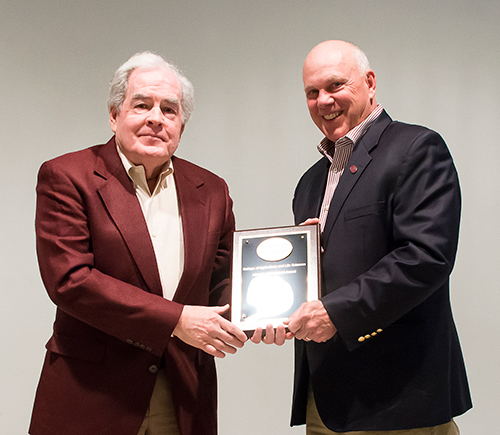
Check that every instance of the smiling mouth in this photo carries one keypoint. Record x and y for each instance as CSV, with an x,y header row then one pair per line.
x,y
152,136
332,116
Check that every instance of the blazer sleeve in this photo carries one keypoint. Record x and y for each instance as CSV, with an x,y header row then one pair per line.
x,y
114,303
422,215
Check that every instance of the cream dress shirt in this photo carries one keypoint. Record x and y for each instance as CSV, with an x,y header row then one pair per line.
x,y
161,212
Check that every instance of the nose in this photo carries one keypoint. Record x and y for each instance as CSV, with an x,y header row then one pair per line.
x,y
324,98
154,117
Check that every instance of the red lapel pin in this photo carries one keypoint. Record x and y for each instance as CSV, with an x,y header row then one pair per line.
x,y
354,169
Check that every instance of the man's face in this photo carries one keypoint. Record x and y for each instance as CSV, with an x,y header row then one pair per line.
x,y
338,96
149,126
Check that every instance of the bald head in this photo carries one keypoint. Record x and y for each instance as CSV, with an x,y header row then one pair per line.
x,y
336,51
340,87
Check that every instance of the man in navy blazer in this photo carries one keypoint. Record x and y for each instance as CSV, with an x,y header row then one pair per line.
x,y
379,351
134,248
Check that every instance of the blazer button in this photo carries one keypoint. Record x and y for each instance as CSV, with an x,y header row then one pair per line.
x,y
153,369
367,336
361,339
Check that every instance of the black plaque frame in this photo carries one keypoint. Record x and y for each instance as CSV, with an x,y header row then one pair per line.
x,y
292,280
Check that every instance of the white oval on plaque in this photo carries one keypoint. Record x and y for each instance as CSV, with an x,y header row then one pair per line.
x,y
274,249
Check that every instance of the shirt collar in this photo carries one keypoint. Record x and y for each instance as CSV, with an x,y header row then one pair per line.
x,y
137,173
326,146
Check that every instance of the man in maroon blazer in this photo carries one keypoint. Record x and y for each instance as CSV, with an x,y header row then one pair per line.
x,y
134,249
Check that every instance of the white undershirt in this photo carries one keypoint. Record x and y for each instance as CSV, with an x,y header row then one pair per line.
x,y
161,212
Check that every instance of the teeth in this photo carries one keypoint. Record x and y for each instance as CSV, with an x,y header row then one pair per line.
x,y
331,116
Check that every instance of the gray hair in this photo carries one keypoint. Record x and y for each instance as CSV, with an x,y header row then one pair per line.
x,y
146,59
361,60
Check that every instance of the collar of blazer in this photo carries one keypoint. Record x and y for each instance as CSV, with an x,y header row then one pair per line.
x,y
119,198
360,158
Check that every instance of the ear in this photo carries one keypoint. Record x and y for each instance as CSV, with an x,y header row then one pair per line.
x,y
113,114
371,83
182,131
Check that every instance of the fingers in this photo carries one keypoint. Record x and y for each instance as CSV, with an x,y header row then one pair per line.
x,y
311,322
204,328
230,334
271,335
280,336
235,335
220,345
310,221
257,335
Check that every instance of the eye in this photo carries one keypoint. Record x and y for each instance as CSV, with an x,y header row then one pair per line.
x,y
334,86
312,94
141,106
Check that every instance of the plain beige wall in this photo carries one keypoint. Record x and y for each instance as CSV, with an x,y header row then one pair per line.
x,y
437,64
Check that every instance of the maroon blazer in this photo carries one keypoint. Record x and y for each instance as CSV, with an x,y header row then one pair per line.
x,y
113,327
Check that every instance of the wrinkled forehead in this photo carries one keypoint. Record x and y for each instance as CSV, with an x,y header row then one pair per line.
x,y
144,76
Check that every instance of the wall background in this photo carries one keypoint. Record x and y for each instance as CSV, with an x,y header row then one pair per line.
x,y
437,64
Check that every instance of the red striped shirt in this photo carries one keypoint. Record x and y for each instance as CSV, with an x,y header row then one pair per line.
x,y
339,153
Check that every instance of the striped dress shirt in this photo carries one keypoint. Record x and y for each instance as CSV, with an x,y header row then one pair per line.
x,y
338,153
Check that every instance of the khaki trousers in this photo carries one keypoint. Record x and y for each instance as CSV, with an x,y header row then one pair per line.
x,y
314,426
160,416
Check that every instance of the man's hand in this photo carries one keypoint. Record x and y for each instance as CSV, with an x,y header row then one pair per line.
x,y
311,322
206,329
271,336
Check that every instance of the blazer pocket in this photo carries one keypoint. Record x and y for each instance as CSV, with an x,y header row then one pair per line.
x,y
76,347
366,210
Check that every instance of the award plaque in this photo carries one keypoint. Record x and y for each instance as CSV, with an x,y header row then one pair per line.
x,y
274,270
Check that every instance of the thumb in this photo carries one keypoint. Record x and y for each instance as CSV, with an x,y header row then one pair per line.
x,y
221,309
310,221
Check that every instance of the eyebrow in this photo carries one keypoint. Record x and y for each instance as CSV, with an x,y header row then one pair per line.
x,y
331,79
169,100
309,88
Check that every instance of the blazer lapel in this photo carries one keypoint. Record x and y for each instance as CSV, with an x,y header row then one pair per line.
x,y
193,207
119,198
359,161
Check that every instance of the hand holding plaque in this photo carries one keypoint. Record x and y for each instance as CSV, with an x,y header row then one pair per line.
x,y
274,271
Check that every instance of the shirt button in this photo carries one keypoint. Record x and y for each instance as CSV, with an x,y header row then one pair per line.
x,y
153,369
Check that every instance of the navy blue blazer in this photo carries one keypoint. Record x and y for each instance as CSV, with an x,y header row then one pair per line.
x,y
389,242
